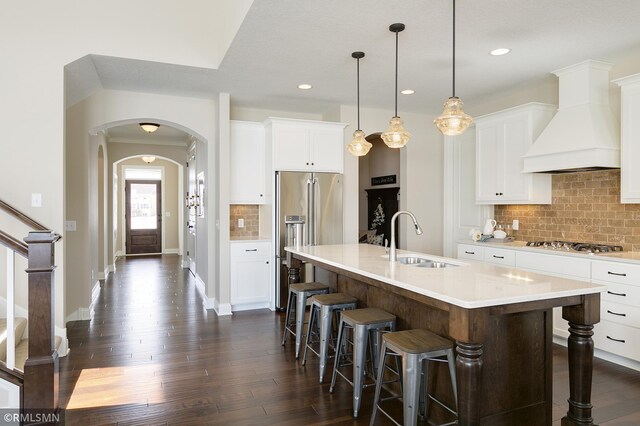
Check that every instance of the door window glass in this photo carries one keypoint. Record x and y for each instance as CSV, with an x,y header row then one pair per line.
x,y
144,207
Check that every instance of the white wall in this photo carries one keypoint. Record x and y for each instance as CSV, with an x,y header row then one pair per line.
x,y
37,39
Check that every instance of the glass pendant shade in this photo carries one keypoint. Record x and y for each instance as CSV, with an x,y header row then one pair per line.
x,y
359,146
453,120
396,136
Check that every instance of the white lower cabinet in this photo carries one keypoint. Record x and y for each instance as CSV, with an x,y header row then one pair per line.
x,y
618,332
250,275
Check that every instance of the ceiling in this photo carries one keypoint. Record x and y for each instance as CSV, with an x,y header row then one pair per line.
x,y
286,42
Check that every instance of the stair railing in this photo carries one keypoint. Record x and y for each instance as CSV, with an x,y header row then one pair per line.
x,y
39,381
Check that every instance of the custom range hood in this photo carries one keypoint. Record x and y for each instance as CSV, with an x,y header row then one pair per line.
x,y
584,134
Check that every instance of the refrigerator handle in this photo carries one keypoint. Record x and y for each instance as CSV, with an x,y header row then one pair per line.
x,y
314,224
310,212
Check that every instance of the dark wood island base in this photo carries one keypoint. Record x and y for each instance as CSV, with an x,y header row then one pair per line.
x,y
504,358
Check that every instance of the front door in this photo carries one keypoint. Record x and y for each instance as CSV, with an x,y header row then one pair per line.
x,y
143,216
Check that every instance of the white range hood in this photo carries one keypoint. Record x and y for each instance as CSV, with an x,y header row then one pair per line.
x,y
584,134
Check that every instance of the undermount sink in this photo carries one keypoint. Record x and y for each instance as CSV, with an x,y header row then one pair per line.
x,y
434,264
412,260
423,263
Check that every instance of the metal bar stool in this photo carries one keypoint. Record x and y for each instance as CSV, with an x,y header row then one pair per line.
x,y
416,348
363,322
325,306
298,294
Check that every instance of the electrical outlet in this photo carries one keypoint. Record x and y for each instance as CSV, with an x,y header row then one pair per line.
x,y
70,225
516,224
240,223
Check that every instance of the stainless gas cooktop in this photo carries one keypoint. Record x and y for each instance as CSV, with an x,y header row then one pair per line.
x,y
572,246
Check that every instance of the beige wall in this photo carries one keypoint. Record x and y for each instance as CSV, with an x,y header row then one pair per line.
x,y
94,116
170,202
421,177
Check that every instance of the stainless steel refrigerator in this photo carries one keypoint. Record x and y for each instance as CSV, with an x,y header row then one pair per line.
x,y
318,197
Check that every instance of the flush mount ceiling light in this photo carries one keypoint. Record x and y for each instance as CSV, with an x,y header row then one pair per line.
x,y
408,92
148,159
304,86
149,127
359,146
499,52
453,120
396,136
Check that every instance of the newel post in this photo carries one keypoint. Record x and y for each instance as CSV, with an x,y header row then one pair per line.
x,y
41,368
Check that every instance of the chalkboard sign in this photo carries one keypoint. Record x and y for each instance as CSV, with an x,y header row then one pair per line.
x,y
383,180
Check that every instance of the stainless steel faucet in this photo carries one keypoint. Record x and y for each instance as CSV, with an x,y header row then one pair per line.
x,y
392,250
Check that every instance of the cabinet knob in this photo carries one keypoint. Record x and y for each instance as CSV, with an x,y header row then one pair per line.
x,y
267,262
261,195
497,193
307,164
313,164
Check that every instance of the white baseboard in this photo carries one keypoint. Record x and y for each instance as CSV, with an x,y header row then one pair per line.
x,y
171,251
249,306
222,309
80,314
110,269
211,302
63,350
101,276
607,356
119,253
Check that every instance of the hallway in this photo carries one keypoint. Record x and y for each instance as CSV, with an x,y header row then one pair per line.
x,y
153,355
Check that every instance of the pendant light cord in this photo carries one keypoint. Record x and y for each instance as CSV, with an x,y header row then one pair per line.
x,y
358,88
397,74
453,77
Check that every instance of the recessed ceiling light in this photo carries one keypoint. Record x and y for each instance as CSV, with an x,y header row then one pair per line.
x,y
499,52
304,86
408,92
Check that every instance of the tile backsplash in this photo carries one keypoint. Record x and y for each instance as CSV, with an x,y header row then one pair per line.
x,y
251,216
585,207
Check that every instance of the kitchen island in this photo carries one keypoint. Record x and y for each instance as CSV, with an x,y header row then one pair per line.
x,y
500,320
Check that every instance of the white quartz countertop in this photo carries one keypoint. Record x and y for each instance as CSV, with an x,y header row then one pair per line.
x,y
469,285
620,256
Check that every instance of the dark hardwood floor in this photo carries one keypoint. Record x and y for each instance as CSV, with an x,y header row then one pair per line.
x,y
153,356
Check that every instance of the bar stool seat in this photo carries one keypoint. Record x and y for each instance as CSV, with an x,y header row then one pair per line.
x,y
416,348
363,322
323,309
297,304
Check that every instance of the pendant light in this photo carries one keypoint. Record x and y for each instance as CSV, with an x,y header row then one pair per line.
x,y
453,120
359,146
149,127
396,136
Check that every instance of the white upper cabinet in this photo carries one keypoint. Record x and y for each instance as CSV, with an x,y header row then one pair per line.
x,y
247,171
301,145
629,139
502,138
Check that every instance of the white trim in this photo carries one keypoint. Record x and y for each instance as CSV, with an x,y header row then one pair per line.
x,y
95,292
211,302
101,276
221,309
10,393
80,314
237,307
171,251
186,262
10,304
124,202
63,350
110,269
119,253
106,271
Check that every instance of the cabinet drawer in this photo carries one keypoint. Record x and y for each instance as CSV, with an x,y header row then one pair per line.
x,y
253,249
621,293
622,273
620,314
554,264
468,251
500,256
617,339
